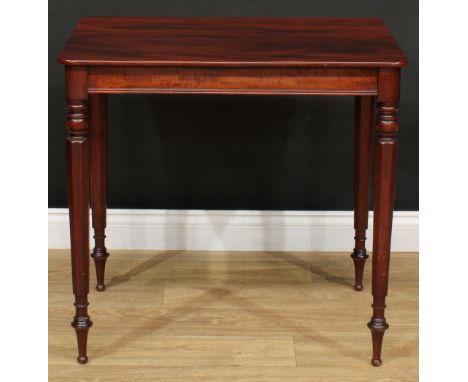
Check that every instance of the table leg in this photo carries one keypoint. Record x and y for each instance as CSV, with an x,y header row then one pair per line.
x,y
385,156
78,200
364,109
98,140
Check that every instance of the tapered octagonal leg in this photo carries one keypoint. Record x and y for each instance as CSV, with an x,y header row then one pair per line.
x,y
98,135
78,200
385,156
364,109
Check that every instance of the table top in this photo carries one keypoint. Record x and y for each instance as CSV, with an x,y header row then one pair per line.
x,y
232,41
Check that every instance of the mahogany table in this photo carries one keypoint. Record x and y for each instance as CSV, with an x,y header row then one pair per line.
x,y
290,56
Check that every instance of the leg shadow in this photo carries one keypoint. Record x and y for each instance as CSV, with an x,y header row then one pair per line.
x,y
142,267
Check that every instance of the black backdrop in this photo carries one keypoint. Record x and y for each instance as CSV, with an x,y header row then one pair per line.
x,y
234,152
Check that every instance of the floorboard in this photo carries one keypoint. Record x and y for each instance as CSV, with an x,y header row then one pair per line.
x,y
233,316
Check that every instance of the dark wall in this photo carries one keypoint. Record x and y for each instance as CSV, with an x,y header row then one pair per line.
x,y
234,152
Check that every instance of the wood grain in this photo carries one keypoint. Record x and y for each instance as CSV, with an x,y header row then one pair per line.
x,y
232,41
100,373
78,172
307,81
200,351
385,166
342,56
234,320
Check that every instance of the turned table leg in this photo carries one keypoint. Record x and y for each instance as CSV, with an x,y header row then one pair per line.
x,y
385,156
98,139
78,200
364,110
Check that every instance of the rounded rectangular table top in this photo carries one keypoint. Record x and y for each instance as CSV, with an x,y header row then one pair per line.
x,y
232,41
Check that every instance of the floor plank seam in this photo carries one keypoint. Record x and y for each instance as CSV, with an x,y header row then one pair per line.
x,y
249,331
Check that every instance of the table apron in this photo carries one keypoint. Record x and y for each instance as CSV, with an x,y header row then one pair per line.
x,y
287,81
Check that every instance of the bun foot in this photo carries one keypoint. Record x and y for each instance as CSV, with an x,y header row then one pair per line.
x,y
82,360
376,362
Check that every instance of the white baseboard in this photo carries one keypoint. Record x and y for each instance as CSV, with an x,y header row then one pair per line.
x,y
235,230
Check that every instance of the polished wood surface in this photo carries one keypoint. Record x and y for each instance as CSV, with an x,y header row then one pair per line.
x,y
233,316
329,56
232,41
98,155
385,156
364,110
78,200
331,81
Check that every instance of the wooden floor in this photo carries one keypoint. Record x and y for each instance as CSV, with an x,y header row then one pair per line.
x,y
236,316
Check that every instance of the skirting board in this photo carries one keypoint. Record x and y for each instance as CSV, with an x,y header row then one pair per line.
x,y
236,230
